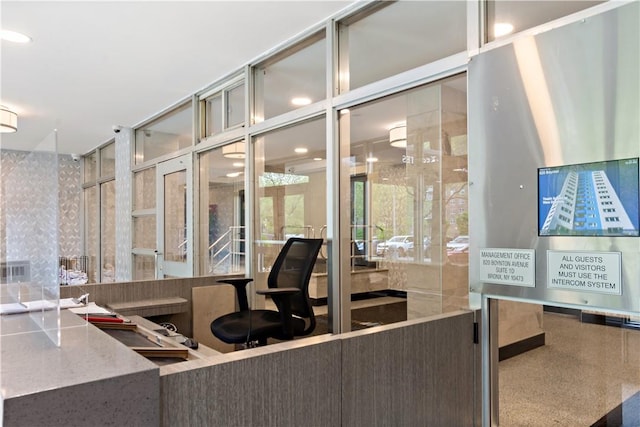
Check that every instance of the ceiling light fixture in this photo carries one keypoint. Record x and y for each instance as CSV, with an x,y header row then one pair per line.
x,y
301,150
8,120
238,164
233,151
398,136
502,29
301,101
233,174
14,36
372,159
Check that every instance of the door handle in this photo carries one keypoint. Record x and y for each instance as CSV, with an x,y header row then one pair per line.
x,y
156,255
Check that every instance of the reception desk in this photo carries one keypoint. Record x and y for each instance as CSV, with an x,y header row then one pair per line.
x,y
89,379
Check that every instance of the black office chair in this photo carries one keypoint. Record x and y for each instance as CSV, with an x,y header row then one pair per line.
x,y
288,283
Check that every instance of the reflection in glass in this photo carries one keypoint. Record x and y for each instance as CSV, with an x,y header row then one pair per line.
x,y
144,267
214,116
222,209
290,195
91,232
292,81
393,37
165,135
90,167
235,106
408,199
224,110
144,232
144,196
571,379
175,218
108,161
506,17
108,231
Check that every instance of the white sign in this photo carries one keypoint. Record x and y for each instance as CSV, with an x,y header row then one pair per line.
x,y
516,267
585,271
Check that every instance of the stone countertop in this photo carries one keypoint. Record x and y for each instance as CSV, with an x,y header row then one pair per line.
x,y
30,363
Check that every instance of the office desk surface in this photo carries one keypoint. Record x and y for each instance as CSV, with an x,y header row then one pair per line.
x,y
42,384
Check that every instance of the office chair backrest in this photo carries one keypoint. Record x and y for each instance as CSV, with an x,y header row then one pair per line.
x,y
292,269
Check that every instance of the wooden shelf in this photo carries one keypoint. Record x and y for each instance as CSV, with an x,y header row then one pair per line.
x,y
150,307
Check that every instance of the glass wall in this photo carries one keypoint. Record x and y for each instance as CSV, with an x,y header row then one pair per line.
x,y
144,223
291,80
290,196
108,231
224,109
91,235
407,164
165,135
99,214
222,212
392,37
505,17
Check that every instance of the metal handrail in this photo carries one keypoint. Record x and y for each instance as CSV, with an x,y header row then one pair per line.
x,y
309,231
229,245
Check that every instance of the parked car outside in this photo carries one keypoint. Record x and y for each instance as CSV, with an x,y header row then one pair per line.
x,y
458,250
426,247
401,245
459,242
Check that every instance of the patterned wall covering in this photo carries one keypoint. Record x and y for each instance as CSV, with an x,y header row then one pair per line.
x,y
37,212
124,141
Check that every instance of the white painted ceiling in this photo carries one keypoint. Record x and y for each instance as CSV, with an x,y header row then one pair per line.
x,y
95,64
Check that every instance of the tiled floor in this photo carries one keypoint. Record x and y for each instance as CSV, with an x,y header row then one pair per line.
x,y
583,372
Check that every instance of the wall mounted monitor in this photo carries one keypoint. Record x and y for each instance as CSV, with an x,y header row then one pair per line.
x,y
589,199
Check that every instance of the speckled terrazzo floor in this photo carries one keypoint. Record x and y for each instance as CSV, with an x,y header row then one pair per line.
x,y
583,372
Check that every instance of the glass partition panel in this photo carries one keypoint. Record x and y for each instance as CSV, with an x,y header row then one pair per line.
x,y
224,109
90,167
292,80
585,371
91,232
168,134
144,232
144,267
290,200
407,168
214,114
222,209
392,37
505,17
29,229
108,231
144,193
175,218
108,161
235,106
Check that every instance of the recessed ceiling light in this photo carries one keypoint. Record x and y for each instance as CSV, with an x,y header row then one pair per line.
x,y
238,164
502,29
14,36
233,174
300,101
317,159
301,150
372,159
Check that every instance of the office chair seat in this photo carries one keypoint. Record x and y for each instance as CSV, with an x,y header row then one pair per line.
x,y
232,328
288,287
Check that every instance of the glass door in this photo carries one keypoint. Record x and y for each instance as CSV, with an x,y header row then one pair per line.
x,y
174,257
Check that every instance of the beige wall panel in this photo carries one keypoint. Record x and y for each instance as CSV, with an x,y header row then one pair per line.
x,y
416,375
209,303
261,387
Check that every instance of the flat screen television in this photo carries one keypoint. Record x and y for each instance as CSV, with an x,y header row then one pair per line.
x,y
589,199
